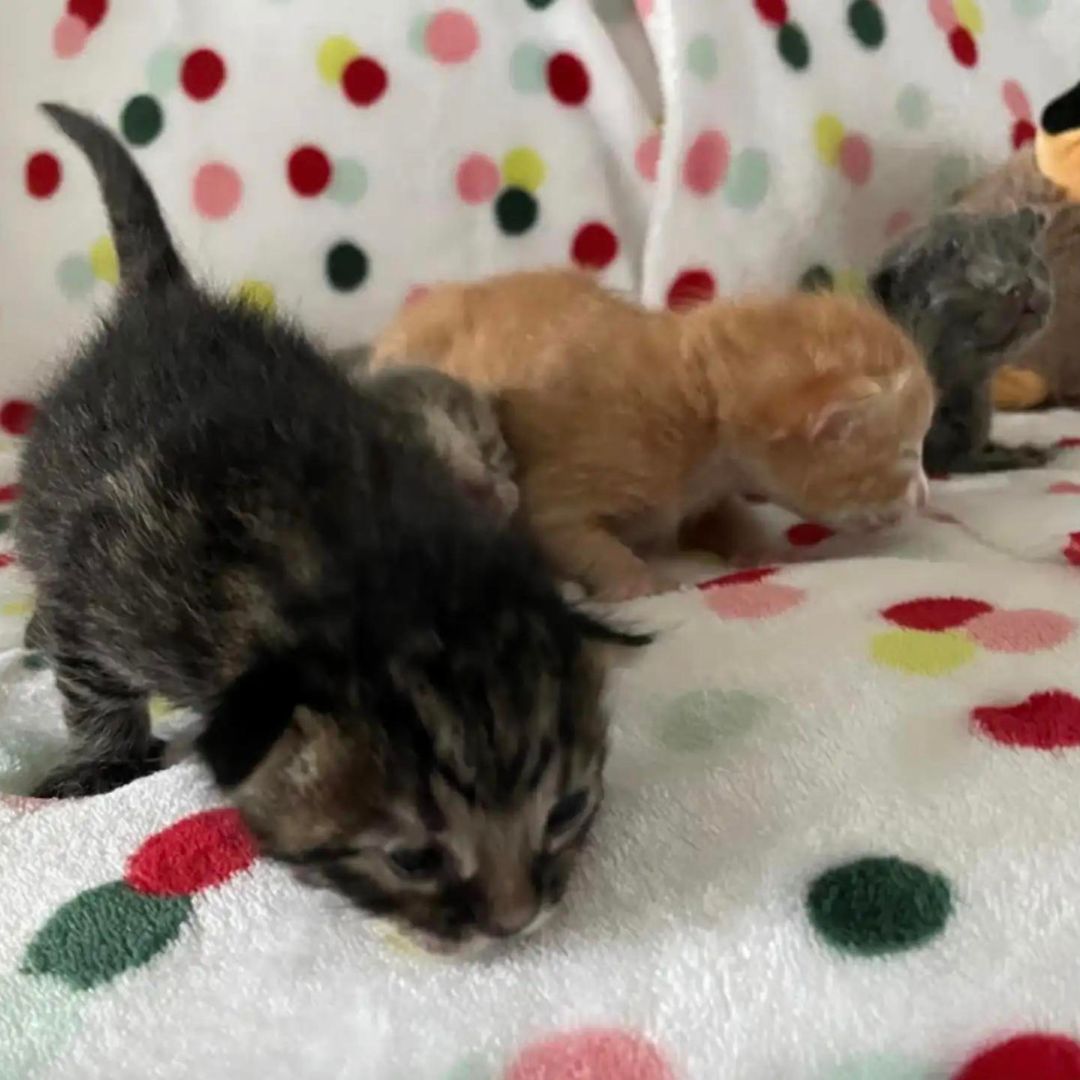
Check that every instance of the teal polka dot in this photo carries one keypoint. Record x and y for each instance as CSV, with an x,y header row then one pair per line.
x,y
528,68
417,34
952,173
34,661
747,179
470,1068
703,57
350,181
913,106
39,1018
614,11
163,70
701,720
878,1067
1030,9
75,276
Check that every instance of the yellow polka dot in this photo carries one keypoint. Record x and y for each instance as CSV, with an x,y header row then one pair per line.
x,y
968,15
523,168
394,939
334,56
828,135
103,260
160,708
20,608
849,282
922,652
256,294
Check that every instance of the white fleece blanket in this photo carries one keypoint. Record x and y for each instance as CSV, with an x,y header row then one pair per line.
x,y
913,702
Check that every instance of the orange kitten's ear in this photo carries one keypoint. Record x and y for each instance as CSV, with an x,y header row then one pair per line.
x,y
826,407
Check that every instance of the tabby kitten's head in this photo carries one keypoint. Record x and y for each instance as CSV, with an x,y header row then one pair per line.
x,y
452,790
970,288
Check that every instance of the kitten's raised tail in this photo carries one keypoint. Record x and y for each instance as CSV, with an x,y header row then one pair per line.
x,y
143,245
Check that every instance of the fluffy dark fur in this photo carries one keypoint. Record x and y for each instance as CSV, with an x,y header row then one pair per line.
x,y
396,696
971,289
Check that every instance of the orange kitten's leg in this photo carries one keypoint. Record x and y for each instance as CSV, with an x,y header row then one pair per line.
x,y
729,529
597,558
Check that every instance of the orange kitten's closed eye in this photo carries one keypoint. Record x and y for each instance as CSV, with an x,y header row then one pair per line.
x,y
628,424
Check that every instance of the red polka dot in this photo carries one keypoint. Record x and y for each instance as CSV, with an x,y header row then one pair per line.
x,y
202,74
42,174
936,612
1071,551
772,11
9,492
477,179
595,246
364,81
739,577
1023,132
1068,443
309,171
193,853
691,287
647,156
898,223
1064,487
90,11
963,47
808,534
6,559
592,1054
706,162
16,416
1026,1057
567,79
1049,720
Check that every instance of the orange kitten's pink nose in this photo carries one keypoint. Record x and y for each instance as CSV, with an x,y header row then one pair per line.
x,y
918,490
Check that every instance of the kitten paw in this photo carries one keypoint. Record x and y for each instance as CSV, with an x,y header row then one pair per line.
x,y
634,587
79,779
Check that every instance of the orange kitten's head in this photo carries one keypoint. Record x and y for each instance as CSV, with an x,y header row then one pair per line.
x,y
836,403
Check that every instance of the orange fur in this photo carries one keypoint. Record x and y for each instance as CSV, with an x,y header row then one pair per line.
x,y
630,424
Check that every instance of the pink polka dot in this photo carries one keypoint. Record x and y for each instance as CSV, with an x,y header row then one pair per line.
x,y
898,223
856,159
647,156
69,36
706,162
592,1054
477,179
644,7
1016,101
1064,487
754,600
941,11
415,294
1020,631
451,36
23,804
216,190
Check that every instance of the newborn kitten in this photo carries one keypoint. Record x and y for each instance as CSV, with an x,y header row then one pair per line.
x,y
971,289
629,426
395,694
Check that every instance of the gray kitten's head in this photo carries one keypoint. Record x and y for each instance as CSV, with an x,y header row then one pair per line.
x,y
968,284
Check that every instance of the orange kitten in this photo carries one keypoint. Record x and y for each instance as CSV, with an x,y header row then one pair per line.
x,y
631,425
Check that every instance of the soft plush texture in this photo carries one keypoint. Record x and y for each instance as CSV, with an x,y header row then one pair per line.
x,y
783,726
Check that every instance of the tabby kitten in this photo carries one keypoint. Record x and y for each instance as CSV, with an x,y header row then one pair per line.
x,y
632,427
972,290
395,694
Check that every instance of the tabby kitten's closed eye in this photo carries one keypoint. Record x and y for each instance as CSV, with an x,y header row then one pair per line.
x,y
971,289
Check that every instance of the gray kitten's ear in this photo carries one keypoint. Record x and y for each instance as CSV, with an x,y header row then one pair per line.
x,y
883,286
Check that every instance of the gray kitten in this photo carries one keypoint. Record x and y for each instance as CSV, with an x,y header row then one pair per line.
x,y
393,691
970,289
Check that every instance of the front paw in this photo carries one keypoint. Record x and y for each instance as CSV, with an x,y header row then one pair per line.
x,y
1030,456
79,779
633,586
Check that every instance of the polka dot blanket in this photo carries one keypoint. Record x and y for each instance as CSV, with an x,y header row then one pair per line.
x,y
839,841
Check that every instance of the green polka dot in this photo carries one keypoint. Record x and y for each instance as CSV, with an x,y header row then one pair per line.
x,y
867,23
614,11
539,5
953,172
163,70
528,68
142,120
470,1068
346,266
1030,9
922,652
5,523
701,719
104,931
792,45
816,278
516,211
913,106
34,661
38,1019
747,179
417,34
75,276
874,906
349,183
878,1067
703,57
